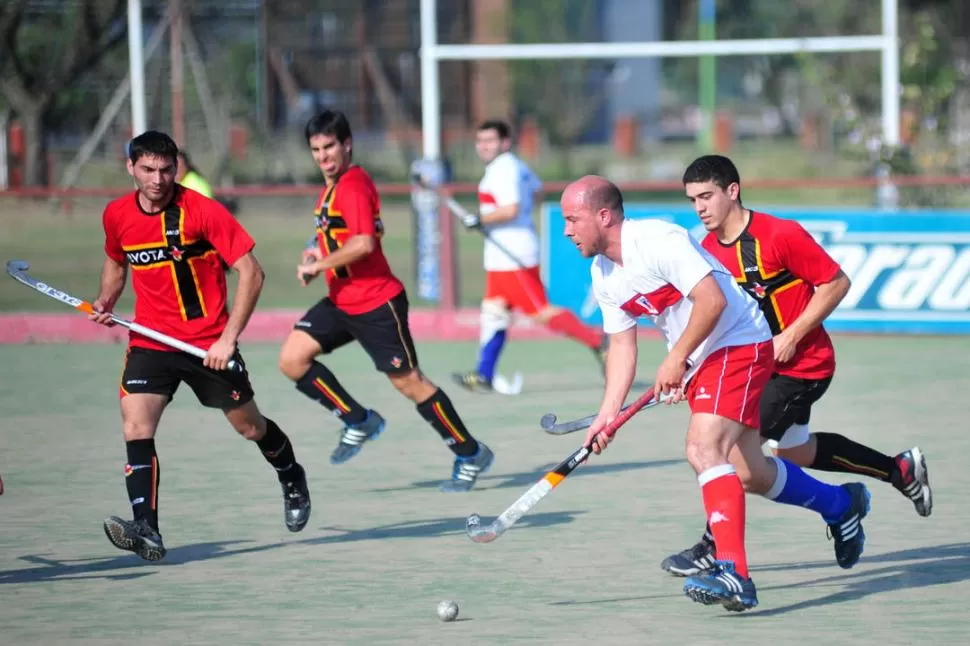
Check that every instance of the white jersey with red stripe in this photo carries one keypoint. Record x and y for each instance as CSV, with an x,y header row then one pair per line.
x,y
661,265
508,181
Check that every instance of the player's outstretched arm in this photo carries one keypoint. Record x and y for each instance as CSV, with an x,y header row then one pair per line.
x,y
621,369
355,248
114,275
248,288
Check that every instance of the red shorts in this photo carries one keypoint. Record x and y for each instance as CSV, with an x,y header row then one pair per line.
x,y
521,289
730,381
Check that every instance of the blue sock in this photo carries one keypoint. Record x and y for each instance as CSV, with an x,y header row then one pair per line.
x,y
489,353
795,487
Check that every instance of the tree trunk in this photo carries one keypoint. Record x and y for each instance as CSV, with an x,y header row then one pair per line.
x,y
35,161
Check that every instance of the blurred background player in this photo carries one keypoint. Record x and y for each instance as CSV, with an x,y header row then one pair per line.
x,y
719,360
797,285
175,242
189,176
506,196
366,303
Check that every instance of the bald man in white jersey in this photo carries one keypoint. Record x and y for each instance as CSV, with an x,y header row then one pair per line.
x,y
719,360
507,194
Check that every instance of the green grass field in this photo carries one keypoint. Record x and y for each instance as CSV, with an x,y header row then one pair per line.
x,y
67,252
383,546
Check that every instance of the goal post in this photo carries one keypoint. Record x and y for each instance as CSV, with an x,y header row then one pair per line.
x,y
887,43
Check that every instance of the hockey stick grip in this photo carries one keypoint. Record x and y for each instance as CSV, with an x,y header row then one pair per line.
x,y
625,414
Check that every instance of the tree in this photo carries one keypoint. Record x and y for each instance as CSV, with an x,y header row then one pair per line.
x,y
561,95
43,54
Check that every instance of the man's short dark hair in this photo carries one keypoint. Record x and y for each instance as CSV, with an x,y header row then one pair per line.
x,y
152,142
712,168
607,196
502,128
333,123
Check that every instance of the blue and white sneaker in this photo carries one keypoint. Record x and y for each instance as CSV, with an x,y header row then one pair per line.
x,y
724,586
466,470
847,532
352,438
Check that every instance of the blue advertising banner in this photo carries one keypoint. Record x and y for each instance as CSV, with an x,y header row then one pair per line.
x,y
910,270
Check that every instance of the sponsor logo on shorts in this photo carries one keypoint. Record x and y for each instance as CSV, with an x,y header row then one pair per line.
x,y
136,382
702,393
396,362
303,324
235,395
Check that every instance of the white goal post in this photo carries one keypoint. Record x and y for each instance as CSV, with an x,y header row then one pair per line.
x,y
432,53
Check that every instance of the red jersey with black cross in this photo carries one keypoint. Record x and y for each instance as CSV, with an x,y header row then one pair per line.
x,y
176,258
779,263
351,207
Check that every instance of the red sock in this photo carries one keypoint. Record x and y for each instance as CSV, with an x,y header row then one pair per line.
x,y
565,322
724,503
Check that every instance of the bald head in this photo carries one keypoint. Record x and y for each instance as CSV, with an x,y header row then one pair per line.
x,y
592,207
595,193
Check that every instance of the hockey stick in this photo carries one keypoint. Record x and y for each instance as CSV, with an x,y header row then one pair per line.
x,y
461,212
549,425
18,271
538,491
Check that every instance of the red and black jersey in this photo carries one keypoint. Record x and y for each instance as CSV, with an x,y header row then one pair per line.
x,y
176,258
347,208
780,264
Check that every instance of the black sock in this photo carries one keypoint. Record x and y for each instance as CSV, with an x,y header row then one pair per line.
x,y
838,453
319,384
141,479
278,451
439,412
708,536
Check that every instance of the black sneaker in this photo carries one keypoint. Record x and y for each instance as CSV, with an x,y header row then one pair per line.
x,y
724,586
466,470
472,382
296,502
913,480
135,536
352,438
847,532
692,561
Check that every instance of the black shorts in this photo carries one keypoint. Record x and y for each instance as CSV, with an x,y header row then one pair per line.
x,y
787,401
159,373
383,332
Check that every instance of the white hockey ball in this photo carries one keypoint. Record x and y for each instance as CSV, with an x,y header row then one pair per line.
x,y
447,611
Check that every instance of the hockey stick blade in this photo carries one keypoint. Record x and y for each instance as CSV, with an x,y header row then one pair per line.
x,y
527,501
17,269
549,425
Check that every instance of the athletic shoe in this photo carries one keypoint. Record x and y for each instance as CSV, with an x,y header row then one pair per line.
x,y
296,501
913,480
467,469
847,532
472,382
724,586
135,536
693,560
353,437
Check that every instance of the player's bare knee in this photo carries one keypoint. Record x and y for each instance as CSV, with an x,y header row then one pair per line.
x,y
703,455
247,421
136,429
297,354
412,384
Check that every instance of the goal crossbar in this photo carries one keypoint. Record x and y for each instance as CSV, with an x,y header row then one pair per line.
x,y
432,53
